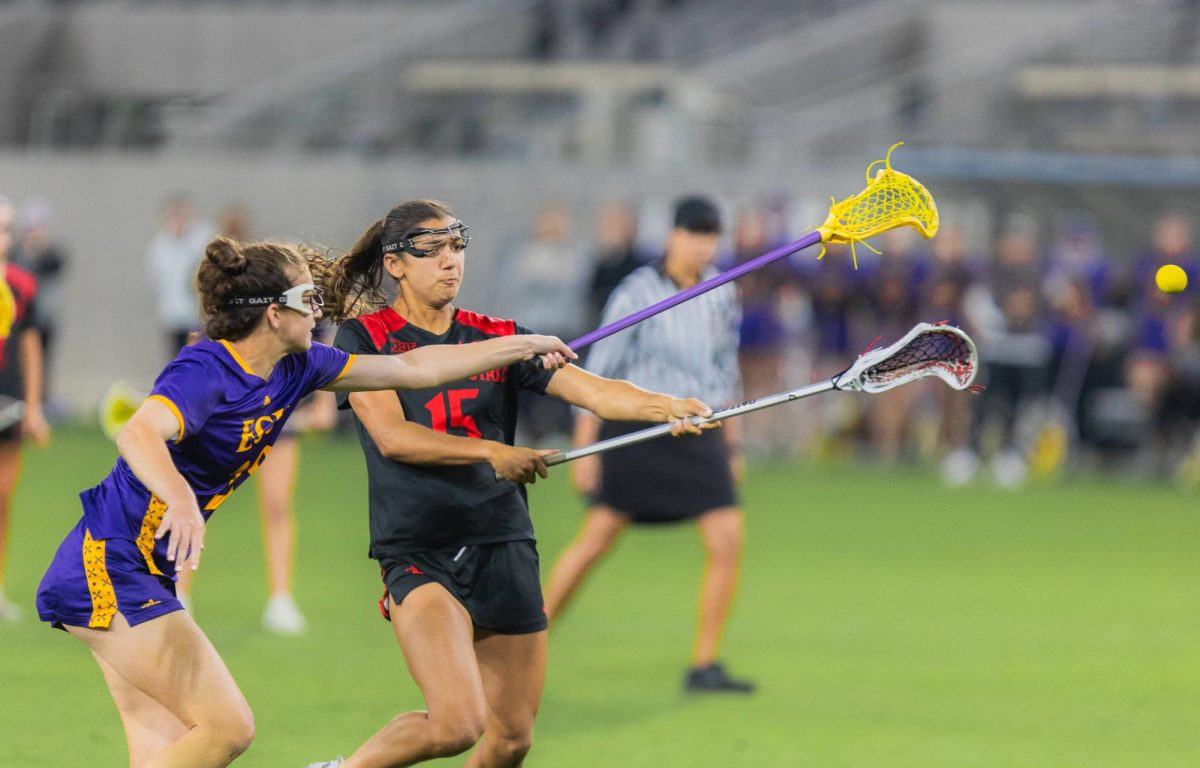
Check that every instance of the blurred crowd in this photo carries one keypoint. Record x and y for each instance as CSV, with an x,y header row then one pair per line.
x,y
1084,362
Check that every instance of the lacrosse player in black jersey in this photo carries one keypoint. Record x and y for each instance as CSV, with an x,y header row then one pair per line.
x,y
455,546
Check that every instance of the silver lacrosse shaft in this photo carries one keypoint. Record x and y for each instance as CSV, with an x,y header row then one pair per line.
x,y
659,430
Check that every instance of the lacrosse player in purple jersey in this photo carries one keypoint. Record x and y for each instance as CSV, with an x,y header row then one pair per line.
x,y
455,544
209,423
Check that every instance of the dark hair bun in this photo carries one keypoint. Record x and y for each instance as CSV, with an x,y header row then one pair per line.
x,y
227,255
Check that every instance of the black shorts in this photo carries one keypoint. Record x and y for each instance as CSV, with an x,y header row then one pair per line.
x,y
498,584
667,479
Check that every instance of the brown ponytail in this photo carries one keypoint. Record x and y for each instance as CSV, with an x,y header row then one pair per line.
x,y
353,284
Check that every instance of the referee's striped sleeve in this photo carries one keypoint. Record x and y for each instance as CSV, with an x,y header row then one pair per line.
x,y
727,355
607,357
689,350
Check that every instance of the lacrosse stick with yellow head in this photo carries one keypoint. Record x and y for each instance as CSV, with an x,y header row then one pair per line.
x,y
891,199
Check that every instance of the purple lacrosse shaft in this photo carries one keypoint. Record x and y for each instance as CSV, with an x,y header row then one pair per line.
x,y
812,238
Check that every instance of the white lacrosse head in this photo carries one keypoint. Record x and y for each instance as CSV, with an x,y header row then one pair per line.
x,y
927,350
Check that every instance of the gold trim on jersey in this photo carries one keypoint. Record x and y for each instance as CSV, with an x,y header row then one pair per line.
x,y
174,409
236,357
104,597
145,540
345,369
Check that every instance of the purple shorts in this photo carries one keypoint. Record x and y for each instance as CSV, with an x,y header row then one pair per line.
x,y
91,580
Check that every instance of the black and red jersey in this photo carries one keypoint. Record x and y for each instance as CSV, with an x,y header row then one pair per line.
x,y
18,290
418,508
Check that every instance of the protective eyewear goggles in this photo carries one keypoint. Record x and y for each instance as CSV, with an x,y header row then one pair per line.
x,y
455,234
305,298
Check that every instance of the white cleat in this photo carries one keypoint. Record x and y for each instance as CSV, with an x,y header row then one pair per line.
x,y
327,764
282,617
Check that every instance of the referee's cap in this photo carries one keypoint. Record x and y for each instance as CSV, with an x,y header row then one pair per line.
x,y
698,214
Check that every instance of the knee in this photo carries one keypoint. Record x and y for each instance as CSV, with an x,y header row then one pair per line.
x,y
234,732
239,734
451,738
724,548
723,562
275,512
510,750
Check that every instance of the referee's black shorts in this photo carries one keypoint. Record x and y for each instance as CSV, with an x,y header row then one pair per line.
x,y
667,479
499,584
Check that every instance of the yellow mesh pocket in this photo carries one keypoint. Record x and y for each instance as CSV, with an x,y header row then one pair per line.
x,y
891,199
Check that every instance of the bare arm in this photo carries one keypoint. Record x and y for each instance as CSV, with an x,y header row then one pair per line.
x,y
614,400
619,400
427,367
399,439
34,421
143,444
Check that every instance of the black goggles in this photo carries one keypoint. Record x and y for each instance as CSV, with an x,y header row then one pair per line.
x,y
455,234
304,298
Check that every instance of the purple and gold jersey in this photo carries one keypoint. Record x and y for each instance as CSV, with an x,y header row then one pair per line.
x,y
228,419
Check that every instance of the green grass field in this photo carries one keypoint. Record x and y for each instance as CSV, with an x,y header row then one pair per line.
x,y
888,621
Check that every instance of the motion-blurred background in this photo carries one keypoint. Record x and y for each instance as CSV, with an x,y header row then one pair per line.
x,y
1059,139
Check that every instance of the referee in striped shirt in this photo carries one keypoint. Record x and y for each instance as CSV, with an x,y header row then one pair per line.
x,y
691,350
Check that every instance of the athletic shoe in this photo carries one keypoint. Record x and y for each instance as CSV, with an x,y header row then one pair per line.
x,y
714,679
9,611
959,467
1009,470
327,764
282,616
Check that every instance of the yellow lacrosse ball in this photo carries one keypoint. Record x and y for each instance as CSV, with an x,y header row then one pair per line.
x,y
1170,279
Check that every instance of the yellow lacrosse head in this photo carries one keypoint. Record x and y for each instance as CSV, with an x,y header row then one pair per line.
x,y
891,199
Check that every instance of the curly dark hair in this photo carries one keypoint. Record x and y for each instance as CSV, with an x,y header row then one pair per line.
x,y
232,269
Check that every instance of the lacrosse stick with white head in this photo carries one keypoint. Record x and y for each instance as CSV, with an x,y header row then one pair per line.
x,y
927,350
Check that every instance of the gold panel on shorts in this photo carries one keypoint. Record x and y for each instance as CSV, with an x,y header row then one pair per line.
x,y
104,598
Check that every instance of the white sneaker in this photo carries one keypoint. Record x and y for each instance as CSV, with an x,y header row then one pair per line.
x,y
958,468
9,611
1009,470
327,764
282,616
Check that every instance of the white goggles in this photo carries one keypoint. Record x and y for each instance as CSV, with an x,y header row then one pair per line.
x,y
304,298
